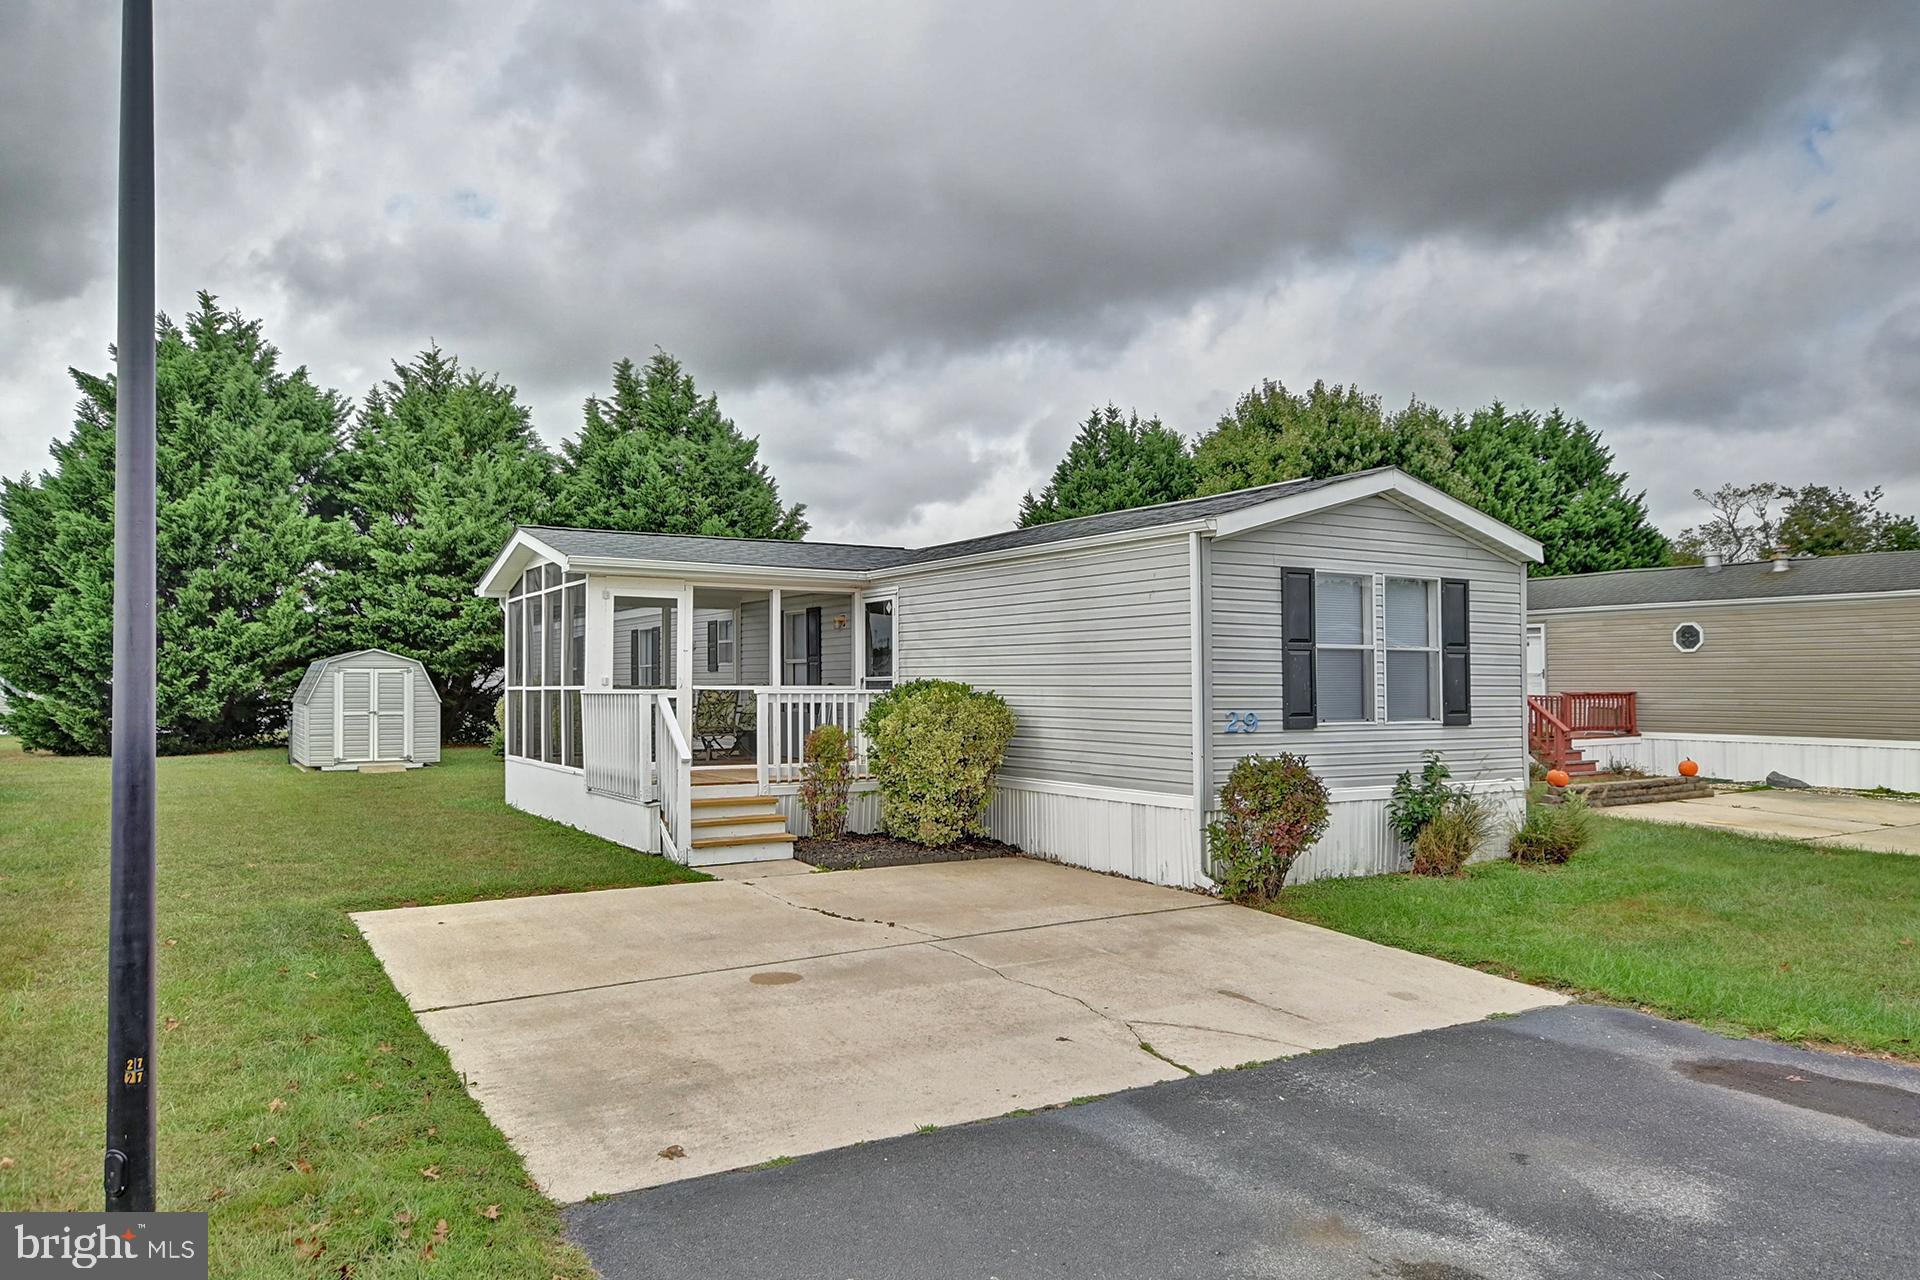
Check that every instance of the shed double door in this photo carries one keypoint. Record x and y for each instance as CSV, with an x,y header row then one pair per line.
x,y
373,714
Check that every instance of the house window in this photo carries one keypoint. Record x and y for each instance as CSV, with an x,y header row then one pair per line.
x,y
1412,649
1343,643
643,644
880,644
1688,636
719,644
546,662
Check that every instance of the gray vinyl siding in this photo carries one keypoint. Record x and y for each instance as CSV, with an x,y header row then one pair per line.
x,y
1804,669
1370,536
754,643
1090,647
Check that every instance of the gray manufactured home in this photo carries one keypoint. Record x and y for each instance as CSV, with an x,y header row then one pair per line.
x,y
365,709
659,687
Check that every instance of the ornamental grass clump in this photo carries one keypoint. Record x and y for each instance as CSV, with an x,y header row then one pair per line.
x,y
1552,833
933,747
1272,810
826,778
1452,836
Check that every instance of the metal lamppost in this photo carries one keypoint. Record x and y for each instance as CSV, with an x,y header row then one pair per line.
x,y
129,1171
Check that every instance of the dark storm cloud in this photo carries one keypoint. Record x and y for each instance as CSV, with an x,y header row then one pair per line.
x,y
928,236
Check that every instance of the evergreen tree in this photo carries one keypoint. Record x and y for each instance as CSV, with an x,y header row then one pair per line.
x,y
657,456
1552,478
1822,521
441,464
240,444
1272,434
1113,463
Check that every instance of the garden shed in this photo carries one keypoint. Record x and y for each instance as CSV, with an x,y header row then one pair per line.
x,y
367,708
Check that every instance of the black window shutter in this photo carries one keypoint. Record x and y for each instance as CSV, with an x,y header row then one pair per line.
x,y
1298,708
1456,653
713,644
813,645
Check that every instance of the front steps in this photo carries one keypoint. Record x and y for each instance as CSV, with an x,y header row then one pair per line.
x,y
737,828
1610,795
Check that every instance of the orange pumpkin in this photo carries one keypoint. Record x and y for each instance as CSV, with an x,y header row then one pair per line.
x,y
1689,767
1558,777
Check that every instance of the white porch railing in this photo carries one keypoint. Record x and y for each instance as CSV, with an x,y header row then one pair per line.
x,y
676,781
617,733
787,716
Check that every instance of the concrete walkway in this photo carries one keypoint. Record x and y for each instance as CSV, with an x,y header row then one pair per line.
x,y
1817,817
633,1037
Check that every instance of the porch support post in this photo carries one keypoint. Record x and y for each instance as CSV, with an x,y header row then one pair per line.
x,y
858,620
683,664
776,636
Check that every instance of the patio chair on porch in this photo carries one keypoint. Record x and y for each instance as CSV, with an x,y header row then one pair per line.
x,y
723,721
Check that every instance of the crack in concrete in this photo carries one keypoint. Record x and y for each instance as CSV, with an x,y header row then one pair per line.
x,y
1102,1014
1224,1031
835,915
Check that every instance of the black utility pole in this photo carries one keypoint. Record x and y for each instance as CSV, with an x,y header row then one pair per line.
x,y
130,1000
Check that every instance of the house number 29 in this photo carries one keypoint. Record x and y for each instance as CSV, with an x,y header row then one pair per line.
x,y
1242,721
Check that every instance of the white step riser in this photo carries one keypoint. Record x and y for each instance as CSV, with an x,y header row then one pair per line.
x,y
744,827
742,809
740,853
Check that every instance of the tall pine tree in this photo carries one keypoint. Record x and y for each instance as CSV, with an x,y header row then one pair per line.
x,y
241,444
656,456
1115,462
1552,478
441,464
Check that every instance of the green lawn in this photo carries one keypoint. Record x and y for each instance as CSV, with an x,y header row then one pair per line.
x,y
1744,935
300,1102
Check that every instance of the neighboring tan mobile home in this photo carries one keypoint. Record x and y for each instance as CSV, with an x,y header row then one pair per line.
x,y
659,687
1809,667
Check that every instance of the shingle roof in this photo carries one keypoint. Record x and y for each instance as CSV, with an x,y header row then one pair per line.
x,y
761,553
770,553
1865,574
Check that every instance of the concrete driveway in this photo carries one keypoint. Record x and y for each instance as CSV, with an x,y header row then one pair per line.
x,y
1578,1143
633,1037
1817,817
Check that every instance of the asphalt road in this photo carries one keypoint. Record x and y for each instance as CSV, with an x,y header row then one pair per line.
x,y
1569,1142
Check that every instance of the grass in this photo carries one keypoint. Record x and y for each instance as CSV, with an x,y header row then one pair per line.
x,y
300,1103
1744,935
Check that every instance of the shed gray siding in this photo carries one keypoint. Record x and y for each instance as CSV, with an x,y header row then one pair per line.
x,y
1089,646
1368,536
1847,668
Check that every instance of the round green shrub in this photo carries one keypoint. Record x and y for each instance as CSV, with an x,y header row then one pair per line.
x,y
1272,810
933,747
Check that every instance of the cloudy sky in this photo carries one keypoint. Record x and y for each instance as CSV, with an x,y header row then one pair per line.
x,y
911,244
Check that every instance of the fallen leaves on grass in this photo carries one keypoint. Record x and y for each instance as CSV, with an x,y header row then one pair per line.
x,y
431,1173
491,1213
6,1162
278,1104
173,1024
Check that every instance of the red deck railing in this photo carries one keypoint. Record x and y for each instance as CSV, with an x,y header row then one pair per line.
x,y
1549,737
1592,715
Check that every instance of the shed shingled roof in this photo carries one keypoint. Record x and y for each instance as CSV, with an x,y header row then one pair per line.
x,y
1869,573
771,553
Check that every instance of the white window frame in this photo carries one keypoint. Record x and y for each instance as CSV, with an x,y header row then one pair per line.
x,y
1431,648
892,600
1698,629
532,684
1369,673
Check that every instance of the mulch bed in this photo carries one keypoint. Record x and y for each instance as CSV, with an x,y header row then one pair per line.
x,y
852,852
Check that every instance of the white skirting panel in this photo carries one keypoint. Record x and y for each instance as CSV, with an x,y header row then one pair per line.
x,y
863,810
1858,763
562,795
1157,843
1360,843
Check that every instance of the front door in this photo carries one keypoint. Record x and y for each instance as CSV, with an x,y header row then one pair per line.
x,y
800,647
1536,659
372,711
